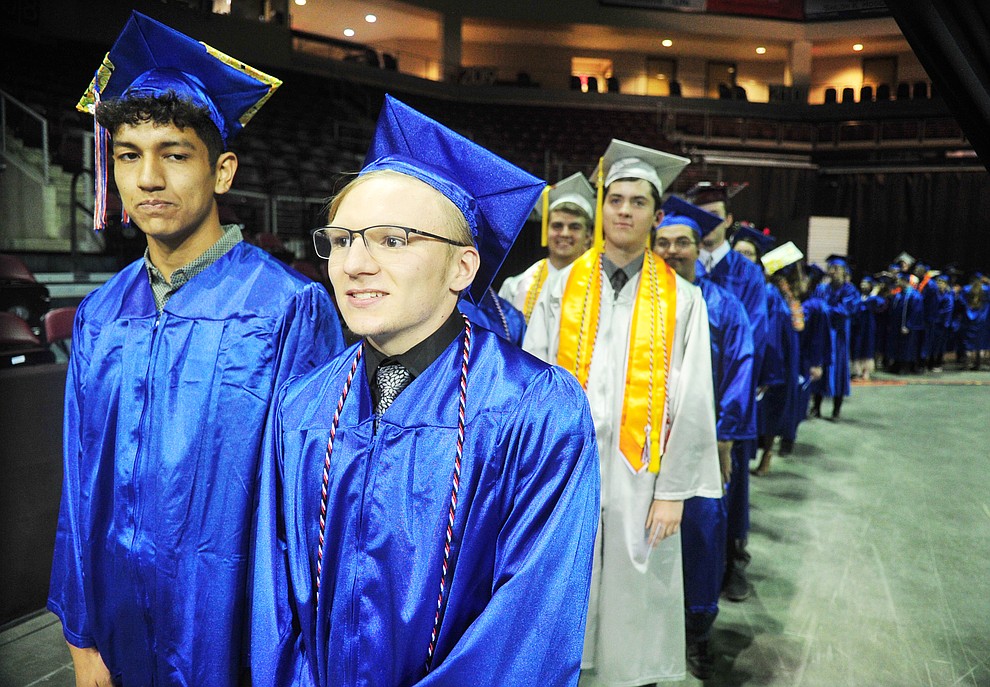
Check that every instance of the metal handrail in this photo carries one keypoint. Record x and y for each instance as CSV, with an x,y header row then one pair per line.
x,y
4,98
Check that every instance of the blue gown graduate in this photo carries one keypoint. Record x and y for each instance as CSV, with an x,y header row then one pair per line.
x,y
863,342
521,547
460,522
907,311
703,526
780,370
163,427
841,302
814,341
165,409
745,281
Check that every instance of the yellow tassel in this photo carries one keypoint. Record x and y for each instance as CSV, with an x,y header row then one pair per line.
x,y
599,230
546,219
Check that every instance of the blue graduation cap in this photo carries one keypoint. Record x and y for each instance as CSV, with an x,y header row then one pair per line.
x,y
679,211
839,260
150,59
763,240
815,272
495,196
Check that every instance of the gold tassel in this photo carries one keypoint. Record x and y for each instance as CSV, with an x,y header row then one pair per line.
x,y
546,219
599,230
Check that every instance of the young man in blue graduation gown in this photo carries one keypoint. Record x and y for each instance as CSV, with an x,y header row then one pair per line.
x,y
743,279
174,362
703,527
841,299
445,539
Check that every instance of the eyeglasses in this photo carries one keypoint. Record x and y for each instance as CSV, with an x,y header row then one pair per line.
x,y
680,243
383,241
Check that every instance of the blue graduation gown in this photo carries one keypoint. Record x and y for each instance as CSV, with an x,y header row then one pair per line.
x,y
781,368
523,536
745,281
703,525
164,417
863,343
489,315
841,304
974,329
814,342
906,310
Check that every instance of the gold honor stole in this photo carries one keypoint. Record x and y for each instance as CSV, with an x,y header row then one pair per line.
x,y
650,344
535,286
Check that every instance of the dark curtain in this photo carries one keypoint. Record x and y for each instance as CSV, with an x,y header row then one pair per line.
x,y
952,41
938,218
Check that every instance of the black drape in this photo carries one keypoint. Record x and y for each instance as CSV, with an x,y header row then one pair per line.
x,y
951,39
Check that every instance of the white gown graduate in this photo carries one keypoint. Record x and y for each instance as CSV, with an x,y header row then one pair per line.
x,y
635,629
515,288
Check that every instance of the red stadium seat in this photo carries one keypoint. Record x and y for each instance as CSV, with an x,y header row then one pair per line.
x,y
13,270
19,345
56,324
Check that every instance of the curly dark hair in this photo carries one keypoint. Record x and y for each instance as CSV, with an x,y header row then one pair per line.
x,y
164,109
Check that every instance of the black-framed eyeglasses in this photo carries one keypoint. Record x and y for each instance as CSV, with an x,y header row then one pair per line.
x,y
383,241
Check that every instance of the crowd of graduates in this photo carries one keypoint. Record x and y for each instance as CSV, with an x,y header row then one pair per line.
x,y
827,328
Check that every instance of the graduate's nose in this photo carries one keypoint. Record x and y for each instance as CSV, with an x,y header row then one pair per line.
x,y
149,174
357,259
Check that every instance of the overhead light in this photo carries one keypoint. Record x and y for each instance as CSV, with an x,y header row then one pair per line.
x,y
300,2
348,32
761,50
858,47
370,18
666,42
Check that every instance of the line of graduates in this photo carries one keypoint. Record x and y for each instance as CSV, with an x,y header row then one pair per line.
x,y
911,315
548,485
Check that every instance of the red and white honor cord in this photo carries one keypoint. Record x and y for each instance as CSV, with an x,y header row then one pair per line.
x,y
455,483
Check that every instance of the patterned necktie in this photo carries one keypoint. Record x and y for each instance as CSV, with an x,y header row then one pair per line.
x,y
618,279
391,379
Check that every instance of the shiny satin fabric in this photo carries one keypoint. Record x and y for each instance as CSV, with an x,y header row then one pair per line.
x,y
841,304
813,349
732,363
164,417
488,317
781,368
745,281
703,526
521,552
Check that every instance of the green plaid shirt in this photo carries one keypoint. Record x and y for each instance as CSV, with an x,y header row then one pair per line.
x,y
161,287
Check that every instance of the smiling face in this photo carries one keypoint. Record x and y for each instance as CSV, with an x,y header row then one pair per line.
x,y
399,302
568,236
677,244
628,215
167,184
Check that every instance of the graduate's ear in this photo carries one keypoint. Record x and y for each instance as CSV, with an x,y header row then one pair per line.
x,y
464,264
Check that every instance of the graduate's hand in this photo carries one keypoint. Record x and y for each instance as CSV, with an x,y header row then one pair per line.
x,y
815,373
725,460
90,669
663,520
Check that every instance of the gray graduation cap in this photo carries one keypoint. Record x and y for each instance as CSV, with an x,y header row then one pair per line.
x,y
624,160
